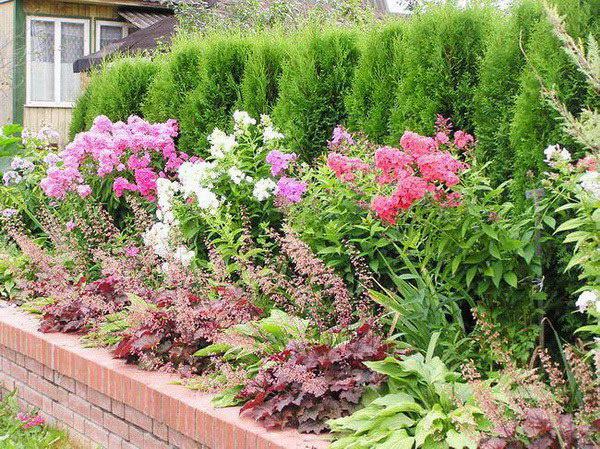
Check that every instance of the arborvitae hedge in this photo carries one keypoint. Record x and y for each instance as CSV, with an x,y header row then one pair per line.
x,y
217,92
466,64
260,82
498,87
119,89
315,80
377,75
535,123
178,75
442,51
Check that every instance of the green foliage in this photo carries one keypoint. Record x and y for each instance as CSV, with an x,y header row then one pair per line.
x,y
499,84
425,407
313,85
118,90
217,93
260,82
442,50
14,436
79,114
378,73
535,124
178,75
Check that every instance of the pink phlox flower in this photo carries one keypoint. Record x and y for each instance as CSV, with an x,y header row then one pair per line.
x,y
84,190
70,225
393,163
442,138
386,208
417,145
340,137
410,189
121,184
447,199
462,139
344,167
145,178
280,161
440,166
30,421
136,162
290,189
102,124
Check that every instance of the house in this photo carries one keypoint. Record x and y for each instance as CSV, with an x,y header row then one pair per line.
x,y
40,40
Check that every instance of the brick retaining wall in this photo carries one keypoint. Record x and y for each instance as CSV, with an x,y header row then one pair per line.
x,y
102,401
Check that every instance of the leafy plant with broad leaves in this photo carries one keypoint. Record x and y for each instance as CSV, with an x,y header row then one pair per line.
x,y
426,406
307,384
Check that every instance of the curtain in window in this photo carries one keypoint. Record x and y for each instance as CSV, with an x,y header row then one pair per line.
x,y
109,34
72,43
41,73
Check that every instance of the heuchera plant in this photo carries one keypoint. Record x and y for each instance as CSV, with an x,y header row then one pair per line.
x,y
168,336
133,155
306,384
399,177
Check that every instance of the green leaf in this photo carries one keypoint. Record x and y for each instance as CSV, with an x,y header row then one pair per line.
x,y
550,221
470,275
397,440
570,224
494,251
511,278
215,348
460,440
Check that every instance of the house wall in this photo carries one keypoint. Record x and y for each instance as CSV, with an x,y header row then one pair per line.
x,y
6,60
35,118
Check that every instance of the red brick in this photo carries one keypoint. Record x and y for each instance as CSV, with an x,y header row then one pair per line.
x,y
18,372
34,367
81,390
99,399
115,442
96,433
116,425
136,437
160,430
65,382
182,442
62,413
127,445
153,443
33,397
79,405
138,418
117,408
78,423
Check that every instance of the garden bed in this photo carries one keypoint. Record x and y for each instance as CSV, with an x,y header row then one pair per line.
x,y
101,400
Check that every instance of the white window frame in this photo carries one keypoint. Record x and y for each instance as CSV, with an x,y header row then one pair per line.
x,y
99,23
58,21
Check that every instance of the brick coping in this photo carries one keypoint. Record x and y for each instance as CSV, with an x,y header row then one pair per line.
x,y
151,393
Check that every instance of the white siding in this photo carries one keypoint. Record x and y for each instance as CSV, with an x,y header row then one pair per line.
x,y
6,61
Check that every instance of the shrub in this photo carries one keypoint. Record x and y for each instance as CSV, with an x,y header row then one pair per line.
x,y
442,50
79,114
536,124
217,92
176,77
377,74
500,72
260,82
118,90
314,82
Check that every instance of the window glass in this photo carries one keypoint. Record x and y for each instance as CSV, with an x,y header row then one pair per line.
x,y
72,48
109,34
41,60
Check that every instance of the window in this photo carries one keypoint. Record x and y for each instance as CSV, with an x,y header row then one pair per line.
x,y
53,44
108,32
399,6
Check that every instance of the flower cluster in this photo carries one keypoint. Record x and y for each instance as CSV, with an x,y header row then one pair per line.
x,y
135,154
30,420
423,165
19,169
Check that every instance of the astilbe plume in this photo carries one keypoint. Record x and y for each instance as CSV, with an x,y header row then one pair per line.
x,y
314,271
307,384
